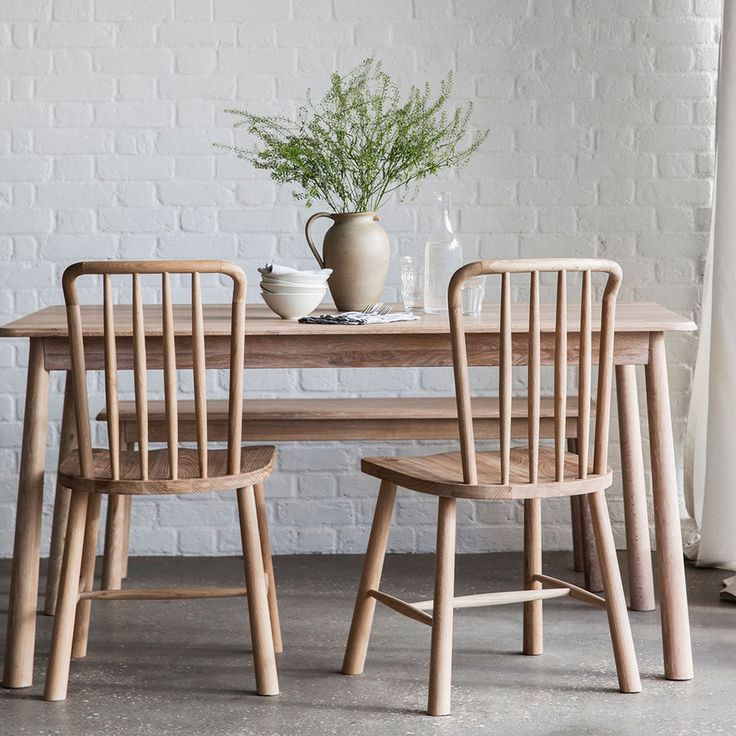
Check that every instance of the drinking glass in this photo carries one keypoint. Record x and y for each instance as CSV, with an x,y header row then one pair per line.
x,y
473,293
411,284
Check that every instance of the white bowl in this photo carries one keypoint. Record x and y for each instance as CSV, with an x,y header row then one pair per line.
x,y
292,306
296,278
292,288
284,292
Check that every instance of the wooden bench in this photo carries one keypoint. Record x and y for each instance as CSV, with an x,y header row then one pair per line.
x,y
366,419
310,420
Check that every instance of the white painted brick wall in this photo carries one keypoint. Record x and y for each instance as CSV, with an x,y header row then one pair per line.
x,y
601,115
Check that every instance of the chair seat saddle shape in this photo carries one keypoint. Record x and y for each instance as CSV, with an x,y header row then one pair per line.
x,y
119,472
442,475
256,465
529,472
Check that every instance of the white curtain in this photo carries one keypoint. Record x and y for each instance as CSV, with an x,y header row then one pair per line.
x,y
710,447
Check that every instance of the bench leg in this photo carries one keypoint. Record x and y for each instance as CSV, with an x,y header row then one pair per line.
x,y
577,535
126,538
117,535
112,569
585,553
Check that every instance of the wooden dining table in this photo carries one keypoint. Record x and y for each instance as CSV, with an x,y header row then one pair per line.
x,y
274,343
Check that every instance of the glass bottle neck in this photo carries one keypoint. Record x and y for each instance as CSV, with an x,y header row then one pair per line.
x,y
442,211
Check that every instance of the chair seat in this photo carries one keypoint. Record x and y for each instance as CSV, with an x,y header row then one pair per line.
x,y
256,464
442,475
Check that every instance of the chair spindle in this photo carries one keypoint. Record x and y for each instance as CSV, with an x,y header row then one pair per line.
x,y
139,375
170,393
200,374
560,389
111,380
505,378
584,376
237,357
533,380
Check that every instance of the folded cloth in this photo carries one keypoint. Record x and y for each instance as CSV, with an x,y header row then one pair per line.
x,y
357,318
274,269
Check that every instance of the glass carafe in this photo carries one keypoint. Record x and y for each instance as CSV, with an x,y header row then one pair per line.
x,y
442,257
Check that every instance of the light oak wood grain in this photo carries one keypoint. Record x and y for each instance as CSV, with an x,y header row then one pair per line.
x,y
273,343
365,605
410,610
575,591
638,547
678,662
442,475
21,627
255,467
406,418
530,473
163,594
89,471
51,321
62,498
341,350
501,598
440,657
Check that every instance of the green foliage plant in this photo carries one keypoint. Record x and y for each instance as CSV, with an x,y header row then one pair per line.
x,y
361,142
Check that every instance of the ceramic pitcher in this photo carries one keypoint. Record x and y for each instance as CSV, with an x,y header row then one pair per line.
x,y
356,249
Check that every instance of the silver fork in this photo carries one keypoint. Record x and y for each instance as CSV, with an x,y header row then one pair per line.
x,y
379,308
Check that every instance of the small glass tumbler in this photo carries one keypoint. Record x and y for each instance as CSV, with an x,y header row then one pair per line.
x,y
473,293
411,284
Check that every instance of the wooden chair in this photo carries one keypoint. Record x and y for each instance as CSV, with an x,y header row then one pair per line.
x,y
528,473
168,344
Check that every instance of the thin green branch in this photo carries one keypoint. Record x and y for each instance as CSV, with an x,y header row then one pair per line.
x,y
360,143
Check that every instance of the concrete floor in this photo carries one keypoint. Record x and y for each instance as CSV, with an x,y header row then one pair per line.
x,y
185,667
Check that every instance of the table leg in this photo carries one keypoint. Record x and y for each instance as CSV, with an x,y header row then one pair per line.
x,y
62,498
21,631
638,548
678,663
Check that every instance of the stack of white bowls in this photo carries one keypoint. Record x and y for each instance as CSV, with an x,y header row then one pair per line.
x,y
294,295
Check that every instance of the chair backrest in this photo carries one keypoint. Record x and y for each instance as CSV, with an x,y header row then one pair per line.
x,y
160,337
531,354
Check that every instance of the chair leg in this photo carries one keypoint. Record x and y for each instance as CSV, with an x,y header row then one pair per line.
x,y
440,664
87,576
57,676
112,566
62,498
365,606
264,659
273,605
618,617
533,639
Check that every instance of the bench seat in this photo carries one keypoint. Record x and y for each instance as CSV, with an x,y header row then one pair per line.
x,y
305,420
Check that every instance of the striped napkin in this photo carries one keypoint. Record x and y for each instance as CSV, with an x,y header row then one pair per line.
x,y
357,318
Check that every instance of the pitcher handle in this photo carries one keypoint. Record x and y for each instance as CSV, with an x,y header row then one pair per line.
x,y
307,229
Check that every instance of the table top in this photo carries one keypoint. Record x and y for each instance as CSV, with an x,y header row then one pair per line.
x,y
51,321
